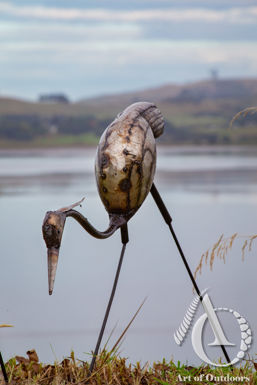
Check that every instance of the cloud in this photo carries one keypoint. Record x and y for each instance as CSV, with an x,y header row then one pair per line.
x,y
237,15
11,31
90,51
136,54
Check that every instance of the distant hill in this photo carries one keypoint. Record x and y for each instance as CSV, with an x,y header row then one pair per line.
x,y
206,89
197,112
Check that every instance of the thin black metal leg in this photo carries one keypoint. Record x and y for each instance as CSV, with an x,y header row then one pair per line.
x,y
124,239
3,369
166,216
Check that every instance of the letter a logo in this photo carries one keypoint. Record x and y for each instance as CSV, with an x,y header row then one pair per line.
x,y
220,338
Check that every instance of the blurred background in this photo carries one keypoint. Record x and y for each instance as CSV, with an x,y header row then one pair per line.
x,y
66,69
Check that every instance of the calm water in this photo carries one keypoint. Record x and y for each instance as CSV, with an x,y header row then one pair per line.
x,y
208,192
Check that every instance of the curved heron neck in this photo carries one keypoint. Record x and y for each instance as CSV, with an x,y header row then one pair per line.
x,y
116,221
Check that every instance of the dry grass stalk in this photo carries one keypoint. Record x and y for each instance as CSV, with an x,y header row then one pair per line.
x,y
216,245
243,113
251,242
127,327
206,257
199,267
243,249
221,249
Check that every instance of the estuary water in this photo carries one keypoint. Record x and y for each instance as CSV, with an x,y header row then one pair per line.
x,y
209,191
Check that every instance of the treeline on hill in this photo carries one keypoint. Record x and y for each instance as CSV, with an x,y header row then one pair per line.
x,y
31,128
243,132
24,128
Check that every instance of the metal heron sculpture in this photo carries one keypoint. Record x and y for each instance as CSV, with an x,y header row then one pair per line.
x,y
124,168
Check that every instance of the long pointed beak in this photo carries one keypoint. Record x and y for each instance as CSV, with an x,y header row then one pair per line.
x,y
52,254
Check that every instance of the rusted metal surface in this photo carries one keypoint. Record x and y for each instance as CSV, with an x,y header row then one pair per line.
x,y
126,158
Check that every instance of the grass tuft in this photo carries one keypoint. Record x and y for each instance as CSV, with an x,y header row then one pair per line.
x,y
115,370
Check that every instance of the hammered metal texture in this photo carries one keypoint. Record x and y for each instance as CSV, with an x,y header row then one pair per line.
x,y
126,159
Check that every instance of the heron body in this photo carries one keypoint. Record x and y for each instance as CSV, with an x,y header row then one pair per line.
x,y
126,158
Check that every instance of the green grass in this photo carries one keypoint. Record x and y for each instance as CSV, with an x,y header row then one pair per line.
x,y
89,139
66,140
115,370
181,120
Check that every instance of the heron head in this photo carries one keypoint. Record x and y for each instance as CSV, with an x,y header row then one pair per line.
x,y
52,228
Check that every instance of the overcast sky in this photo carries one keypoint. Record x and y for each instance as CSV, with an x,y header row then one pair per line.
x,y
89,47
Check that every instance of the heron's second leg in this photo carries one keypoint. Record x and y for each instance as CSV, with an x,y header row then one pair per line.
x,y
166,216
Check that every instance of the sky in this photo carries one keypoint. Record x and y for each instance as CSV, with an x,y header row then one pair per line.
x,y
87,48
